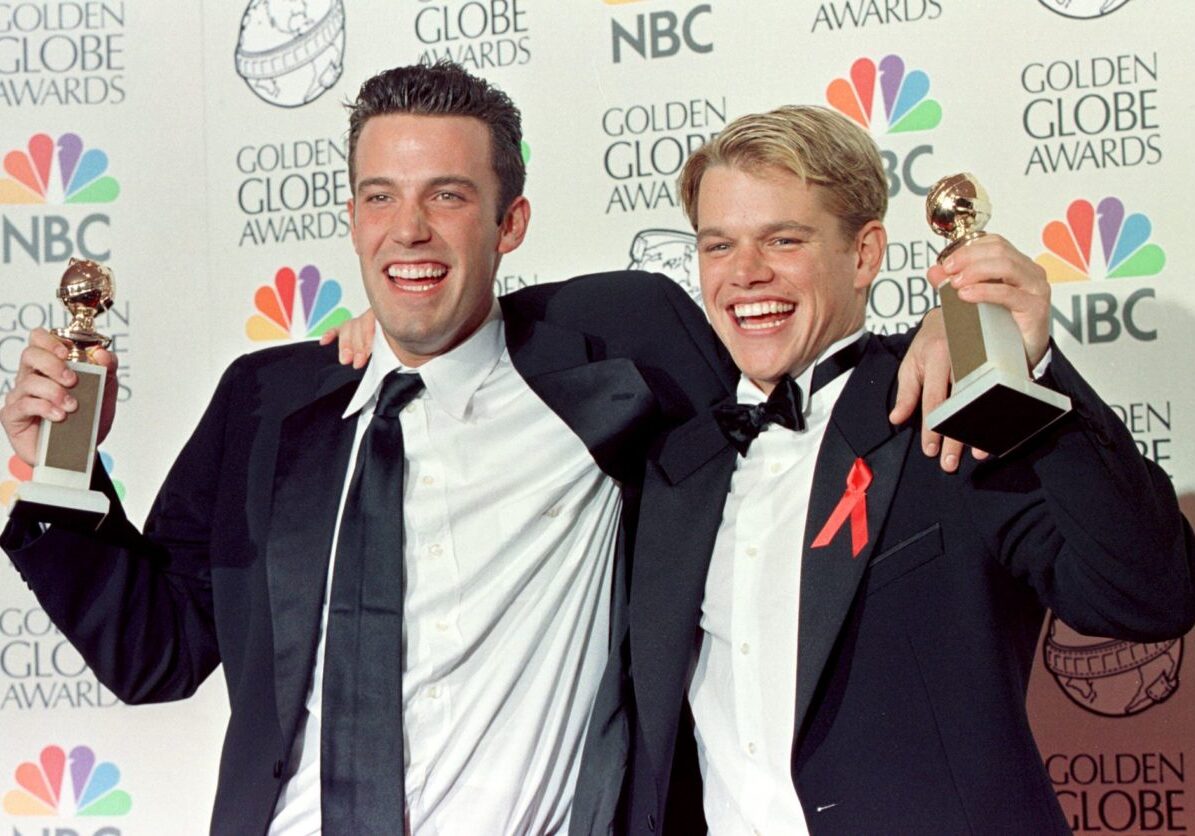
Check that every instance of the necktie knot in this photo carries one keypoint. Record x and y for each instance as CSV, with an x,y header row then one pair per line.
x,y
741,424
398,390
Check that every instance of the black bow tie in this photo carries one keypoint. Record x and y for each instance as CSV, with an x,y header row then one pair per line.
x,y
741,424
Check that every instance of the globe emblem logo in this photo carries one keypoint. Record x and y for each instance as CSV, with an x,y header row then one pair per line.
x,y
291,51
1084,9
1110,677
672,252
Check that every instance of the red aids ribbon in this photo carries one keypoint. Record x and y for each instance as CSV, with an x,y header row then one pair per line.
x,y
854,505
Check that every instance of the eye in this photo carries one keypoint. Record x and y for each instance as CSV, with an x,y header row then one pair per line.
x,y
377,197
448,197
715,247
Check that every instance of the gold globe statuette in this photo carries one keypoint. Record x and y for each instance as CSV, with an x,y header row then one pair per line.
x,y
994,405
87,290
60,490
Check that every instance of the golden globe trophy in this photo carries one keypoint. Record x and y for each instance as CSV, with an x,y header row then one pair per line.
x,y
994,405
60,489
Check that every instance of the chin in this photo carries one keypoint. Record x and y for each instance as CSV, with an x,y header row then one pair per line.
x,y
757,368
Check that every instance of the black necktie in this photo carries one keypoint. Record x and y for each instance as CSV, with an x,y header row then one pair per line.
x,y
361,751
741,424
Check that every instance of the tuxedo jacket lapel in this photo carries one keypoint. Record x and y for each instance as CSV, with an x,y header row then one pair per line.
x,y
601,401
313,450
606,403
830,575
685,490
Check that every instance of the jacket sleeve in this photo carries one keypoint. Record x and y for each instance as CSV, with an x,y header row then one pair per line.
x,y
138,607
1091,524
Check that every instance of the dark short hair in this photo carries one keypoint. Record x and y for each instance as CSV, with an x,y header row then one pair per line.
x,y
446,89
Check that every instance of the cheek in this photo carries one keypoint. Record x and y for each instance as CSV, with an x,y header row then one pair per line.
x,y
707,277
724,330
365,236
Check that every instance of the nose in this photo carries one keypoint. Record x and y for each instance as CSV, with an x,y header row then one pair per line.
x,y
409,225
751,268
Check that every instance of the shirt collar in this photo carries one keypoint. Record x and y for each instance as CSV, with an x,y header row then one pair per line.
x,y
451,378
750,394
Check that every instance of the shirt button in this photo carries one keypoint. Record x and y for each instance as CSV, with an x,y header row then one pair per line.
x,y
752,551
775,468
744,648
750,748
428,480
435,550
434,692
442,626
554,511
409,409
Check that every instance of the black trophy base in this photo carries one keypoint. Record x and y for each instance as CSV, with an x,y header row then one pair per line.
x,y
58,505
997,412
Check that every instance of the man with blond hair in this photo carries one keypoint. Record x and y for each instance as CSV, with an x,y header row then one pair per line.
x,y
829,632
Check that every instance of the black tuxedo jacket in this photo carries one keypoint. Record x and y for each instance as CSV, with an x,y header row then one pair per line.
x,y
915,654
232,564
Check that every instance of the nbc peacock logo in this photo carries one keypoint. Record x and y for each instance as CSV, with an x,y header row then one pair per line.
x,y
907,107
93,789
57,172
279,318
19,472
1124,250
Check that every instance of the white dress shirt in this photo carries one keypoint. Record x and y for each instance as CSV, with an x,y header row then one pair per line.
x,y
744,687
509,532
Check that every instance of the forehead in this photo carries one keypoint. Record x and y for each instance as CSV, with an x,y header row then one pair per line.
x,y
461,142
767,194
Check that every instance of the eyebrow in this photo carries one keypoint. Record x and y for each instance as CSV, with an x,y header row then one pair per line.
x,y
434,183
453,180
770,229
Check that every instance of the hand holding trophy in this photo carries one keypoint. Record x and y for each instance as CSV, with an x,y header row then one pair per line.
x,y
61,485
994,406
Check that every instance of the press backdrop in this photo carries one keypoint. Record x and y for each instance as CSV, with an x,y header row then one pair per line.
x,y
198,148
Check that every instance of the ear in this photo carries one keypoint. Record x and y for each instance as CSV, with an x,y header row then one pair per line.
x,y
514,225
871,241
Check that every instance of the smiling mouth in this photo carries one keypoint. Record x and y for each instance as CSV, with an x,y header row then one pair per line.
x,y
416,278
762,316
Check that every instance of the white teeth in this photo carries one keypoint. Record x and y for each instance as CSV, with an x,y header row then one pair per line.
x,y
401,271
762,308
758,326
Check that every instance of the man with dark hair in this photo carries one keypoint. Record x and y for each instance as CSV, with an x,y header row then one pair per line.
x,y
406,571
411,645
446,89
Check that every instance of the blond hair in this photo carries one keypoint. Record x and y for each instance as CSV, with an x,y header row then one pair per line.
x,y
816,144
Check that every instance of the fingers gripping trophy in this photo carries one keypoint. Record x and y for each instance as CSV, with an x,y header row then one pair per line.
x,y
61,483
994,406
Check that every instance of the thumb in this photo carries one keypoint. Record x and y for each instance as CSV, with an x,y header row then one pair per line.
x,y
104,357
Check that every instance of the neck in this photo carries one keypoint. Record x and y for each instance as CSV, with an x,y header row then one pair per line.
x,y
766,385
